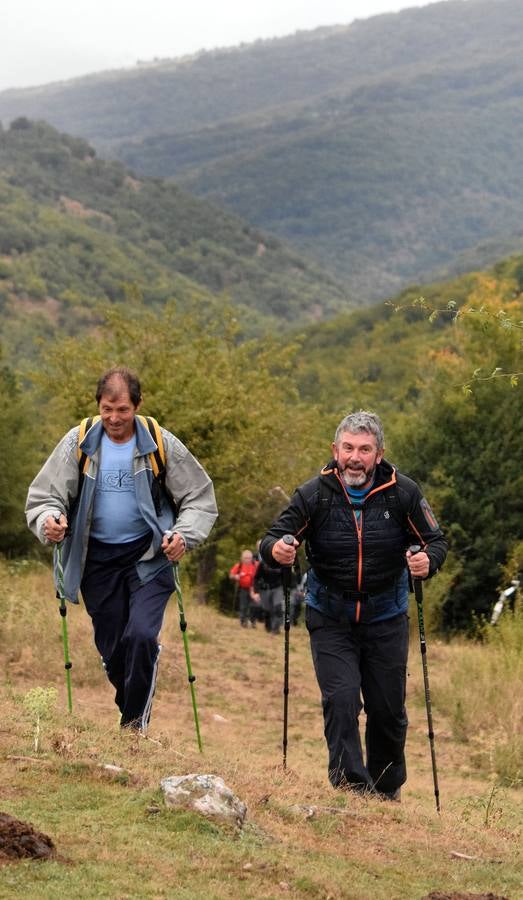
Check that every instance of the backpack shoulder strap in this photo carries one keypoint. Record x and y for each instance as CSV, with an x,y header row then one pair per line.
x,y
324,493
324,502
395,505
83,459
158,456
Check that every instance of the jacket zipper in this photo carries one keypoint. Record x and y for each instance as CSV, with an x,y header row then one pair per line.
x,y
359,532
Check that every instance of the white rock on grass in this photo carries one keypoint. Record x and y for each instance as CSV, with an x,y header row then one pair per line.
x,y
205,794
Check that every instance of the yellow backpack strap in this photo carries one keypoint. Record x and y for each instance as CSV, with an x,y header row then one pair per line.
x,y
158,456
83,459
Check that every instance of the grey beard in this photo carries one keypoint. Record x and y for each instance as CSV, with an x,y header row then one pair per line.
x,y
357,479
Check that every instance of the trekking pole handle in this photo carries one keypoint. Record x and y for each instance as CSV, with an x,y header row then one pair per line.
x,y
57,520
286,569
416,582
175,547
413,550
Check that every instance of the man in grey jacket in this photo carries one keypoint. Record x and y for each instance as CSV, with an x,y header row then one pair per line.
x,y
112,522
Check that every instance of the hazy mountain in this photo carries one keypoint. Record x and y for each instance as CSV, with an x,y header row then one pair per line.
x,y
388,150
76,231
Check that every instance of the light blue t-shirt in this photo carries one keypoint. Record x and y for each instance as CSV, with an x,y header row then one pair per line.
x,y
116,516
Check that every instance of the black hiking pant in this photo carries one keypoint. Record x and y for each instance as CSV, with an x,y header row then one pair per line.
x,y
127,616
247,606
273,604
355,663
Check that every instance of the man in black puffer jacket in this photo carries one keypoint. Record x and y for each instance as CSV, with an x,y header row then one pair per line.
x,y
358,517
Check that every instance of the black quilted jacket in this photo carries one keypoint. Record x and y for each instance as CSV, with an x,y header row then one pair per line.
x,y
364,556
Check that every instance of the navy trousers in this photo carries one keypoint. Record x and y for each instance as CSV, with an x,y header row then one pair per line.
x,y
247,606
355,663
127,618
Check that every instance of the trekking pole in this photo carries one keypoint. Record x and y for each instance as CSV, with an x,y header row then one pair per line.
x,y
60,595
183,628
286,579
236,591
418,593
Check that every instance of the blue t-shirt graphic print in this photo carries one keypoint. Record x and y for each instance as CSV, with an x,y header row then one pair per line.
x,y
116,516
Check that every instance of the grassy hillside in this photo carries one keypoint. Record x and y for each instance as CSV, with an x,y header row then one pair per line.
x,y
388,151
302,839
76,231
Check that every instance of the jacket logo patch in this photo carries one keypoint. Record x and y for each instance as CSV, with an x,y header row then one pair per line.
x,y
386,514
429,515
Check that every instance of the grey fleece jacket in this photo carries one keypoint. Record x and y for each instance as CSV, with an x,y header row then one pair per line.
x,y
55,489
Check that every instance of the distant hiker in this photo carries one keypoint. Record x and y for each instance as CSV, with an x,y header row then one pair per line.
x,y
243,574
112,523
357,517
260,615
267,590
298,589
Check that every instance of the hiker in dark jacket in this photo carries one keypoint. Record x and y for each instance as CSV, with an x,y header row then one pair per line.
x,y
267,590
358,518
115,549
297,596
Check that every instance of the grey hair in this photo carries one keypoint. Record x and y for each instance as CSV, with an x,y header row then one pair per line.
x,y
361,421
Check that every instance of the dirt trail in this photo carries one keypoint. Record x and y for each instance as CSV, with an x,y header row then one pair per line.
x,y
239,690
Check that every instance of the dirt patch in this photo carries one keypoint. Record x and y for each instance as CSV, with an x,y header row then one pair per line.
x,y
19,840
75,208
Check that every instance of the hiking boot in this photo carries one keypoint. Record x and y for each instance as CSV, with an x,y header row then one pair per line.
x,y
391,796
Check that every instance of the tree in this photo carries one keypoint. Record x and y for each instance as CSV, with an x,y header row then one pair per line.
x,y
18,455
465,444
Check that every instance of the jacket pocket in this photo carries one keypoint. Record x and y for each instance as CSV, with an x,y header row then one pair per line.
x,y
313,619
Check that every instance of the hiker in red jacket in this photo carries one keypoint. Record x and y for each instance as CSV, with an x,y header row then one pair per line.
x,y
243,574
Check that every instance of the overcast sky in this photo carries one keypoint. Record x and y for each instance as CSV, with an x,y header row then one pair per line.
x,y
50,40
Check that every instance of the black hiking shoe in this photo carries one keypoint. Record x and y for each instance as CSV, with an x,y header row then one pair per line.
x,y
391,796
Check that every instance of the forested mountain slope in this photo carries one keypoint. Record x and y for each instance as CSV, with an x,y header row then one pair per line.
x,y
180,94
76,231
388,149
